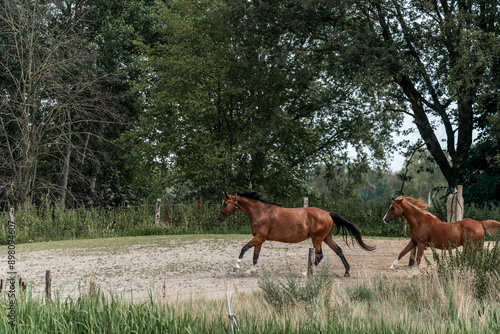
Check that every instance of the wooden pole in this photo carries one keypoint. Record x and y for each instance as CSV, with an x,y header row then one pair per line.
x,y
460,203
11,214
455,205
306,202
310,262
157,214
48,283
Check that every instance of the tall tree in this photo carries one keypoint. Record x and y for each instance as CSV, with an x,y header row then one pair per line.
x,y
50,97
434,58
235,102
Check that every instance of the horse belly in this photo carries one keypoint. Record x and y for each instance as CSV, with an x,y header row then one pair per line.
x,y
444,239
291,233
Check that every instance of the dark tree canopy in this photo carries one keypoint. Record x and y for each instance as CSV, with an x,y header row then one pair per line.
x,y
106,102
438,60
236,100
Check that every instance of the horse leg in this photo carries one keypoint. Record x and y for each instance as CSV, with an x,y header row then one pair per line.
x,y
330,242
420,252
408,247
257,240
256,252
317,250
412,257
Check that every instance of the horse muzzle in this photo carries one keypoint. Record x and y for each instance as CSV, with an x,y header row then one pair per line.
x,y
221,217
387,220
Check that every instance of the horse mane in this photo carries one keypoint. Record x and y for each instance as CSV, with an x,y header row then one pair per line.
x,y
416,203
256,196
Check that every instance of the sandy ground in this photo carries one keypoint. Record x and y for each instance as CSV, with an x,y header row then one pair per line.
x,y
193,268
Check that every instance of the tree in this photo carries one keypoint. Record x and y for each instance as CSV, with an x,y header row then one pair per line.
x,y
51,98
234,102
481,179
435,59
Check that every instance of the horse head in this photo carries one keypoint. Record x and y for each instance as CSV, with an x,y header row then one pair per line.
x,y
395,210
228,207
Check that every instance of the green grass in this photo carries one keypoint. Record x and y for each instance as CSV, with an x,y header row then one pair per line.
x,y
106,244
427,304
48,223
434,302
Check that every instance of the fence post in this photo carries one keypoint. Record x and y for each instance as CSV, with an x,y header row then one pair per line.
x,y
157,213
306,202
310,261
48,287
455,205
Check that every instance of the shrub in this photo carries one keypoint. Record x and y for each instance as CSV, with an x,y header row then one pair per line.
x,y
287,292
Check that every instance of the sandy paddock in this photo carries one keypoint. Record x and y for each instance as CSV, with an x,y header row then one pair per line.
x,y
201,266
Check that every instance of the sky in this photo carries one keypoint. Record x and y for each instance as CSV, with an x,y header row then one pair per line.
x,y
398,161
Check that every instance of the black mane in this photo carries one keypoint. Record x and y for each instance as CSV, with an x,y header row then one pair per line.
x,y
256,196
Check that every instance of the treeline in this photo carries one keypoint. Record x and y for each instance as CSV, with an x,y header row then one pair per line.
x,y
109,103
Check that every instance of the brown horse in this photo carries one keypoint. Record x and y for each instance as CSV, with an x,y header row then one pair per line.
x,y
426,228
269,221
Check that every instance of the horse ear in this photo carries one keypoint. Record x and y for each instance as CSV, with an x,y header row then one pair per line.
x,y
225,194
399,199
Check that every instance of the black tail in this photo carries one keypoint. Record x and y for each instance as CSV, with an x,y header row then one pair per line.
x,y
346,226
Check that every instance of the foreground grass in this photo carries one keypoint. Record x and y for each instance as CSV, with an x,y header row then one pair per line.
x,y
426,304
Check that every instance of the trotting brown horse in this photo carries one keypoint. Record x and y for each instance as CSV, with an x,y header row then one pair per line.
x,y
271,221
426,228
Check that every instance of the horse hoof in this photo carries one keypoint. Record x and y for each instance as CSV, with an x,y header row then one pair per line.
x,y
251,271
347,275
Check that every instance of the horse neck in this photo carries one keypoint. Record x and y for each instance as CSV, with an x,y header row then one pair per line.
x,y
412,214
250,207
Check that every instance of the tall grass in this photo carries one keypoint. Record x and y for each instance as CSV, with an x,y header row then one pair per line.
x,y
428,304
480,261
50,223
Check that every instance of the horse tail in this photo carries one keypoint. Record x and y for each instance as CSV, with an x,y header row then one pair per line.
x,y
492,227
346,226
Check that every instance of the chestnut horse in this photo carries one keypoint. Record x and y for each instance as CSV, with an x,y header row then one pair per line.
x,y
426,228
269,221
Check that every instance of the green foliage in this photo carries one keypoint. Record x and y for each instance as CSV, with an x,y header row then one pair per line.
x,y
359,292
288,292
476,258
482,212
233,100
481,177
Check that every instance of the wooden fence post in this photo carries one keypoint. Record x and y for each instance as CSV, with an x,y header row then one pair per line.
x,y
48,287
310,261
157,214
455,205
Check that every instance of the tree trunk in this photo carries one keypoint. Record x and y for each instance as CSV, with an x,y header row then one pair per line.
x,y
66,161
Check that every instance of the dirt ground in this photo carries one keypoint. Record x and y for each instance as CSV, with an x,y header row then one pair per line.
x,y
201,267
